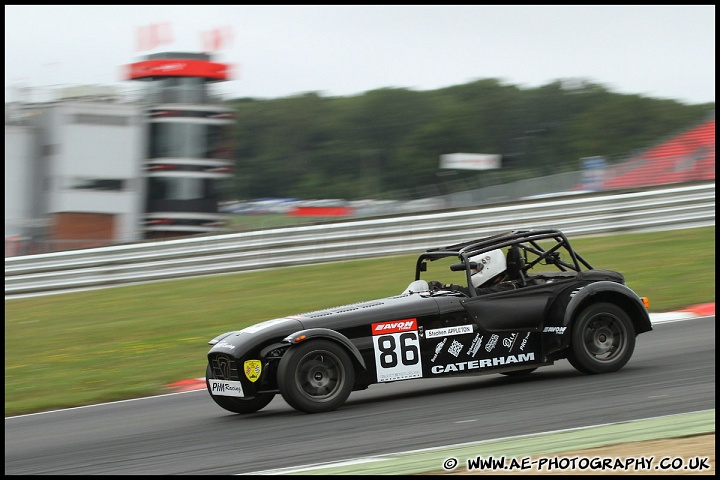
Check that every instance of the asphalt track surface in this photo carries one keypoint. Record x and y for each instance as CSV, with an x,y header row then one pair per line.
x,y
666,390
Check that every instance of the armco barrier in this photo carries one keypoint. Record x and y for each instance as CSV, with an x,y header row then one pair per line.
x,y
589,214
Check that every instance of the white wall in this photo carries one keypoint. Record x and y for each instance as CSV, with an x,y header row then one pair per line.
x,y
98,141
19,165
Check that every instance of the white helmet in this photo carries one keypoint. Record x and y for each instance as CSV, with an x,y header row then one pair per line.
x,y
489,265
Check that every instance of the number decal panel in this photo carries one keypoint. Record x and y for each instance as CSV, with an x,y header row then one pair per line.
x,y
397,350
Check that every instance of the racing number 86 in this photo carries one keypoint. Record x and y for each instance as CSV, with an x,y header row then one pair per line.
x,y
409,352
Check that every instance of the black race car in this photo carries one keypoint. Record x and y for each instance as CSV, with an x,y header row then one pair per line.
x,y
507,304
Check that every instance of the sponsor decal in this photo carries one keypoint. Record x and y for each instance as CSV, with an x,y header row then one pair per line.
x,y
475,345
523,344
446,332
438,349
252,369
170,67
399,375
486,363
455,348
510,341
229,346
397,350
226,388
558,330
397,326
491,343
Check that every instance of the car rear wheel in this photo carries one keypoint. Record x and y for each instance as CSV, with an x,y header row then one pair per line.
x,y
316,376
603,339
237,404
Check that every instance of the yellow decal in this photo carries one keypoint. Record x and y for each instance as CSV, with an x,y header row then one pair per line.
x,y
252,369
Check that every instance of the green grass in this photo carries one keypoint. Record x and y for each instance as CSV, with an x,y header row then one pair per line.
x,y
82,348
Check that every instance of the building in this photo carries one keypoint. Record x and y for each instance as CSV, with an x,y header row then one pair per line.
x,y
93,167
189,151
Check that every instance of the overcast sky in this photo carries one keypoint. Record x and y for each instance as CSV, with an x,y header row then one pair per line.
x,y
278,51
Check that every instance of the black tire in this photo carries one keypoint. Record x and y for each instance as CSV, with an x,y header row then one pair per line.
x,y
239,405
519,373
603,339
316,376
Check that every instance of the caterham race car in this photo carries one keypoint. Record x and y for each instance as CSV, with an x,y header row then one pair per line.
x,y
504,304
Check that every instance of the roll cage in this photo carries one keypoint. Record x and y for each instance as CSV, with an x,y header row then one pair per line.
x,y
524,252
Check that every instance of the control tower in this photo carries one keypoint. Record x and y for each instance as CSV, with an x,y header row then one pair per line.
x,y
189,143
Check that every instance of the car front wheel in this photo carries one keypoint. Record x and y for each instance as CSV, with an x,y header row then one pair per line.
x,y
603,339
236,404
316,376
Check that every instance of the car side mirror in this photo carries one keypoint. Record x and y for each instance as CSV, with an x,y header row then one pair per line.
x,y
460,267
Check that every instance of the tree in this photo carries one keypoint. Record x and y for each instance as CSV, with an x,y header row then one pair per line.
x,y
387,143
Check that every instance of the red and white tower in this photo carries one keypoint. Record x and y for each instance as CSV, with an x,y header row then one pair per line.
x,y
189,142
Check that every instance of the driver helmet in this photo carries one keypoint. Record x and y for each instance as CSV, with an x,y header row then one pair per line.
x,y
489,265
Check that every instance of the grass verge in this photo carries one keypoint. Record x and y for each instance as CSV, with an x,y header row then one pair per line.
x,y
82,348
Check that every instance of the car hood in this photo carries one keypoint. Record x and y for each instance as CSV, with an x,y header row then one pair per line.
x,y
364,313
256,335
409,305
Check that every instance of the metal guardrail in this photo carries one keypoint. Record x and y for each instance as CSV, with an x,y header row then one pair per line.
x,y
589,214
